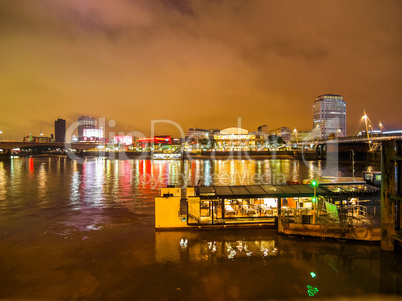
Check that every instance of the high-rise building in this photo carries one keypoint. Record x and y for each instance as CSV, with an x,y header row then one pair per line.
x,y
329,116
60,130
85,123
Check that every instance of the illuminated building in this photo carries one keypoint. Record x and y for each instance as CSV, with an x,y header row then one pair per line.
x,y
329,116
60,130
263,129
237,139
36,139
85,122
195,134
283,132
155,140
92,135
122,139
300,136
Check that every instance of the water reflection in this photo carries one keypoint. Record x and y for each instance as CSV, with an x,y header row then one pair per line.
x,y
3,181
42,181
279,266
134,183
171,245
75,193
94,238
92,175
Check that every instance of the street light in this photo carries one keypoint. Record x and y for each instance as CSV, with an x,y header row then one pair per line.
x,y
314,184
297,138
381,126
337,132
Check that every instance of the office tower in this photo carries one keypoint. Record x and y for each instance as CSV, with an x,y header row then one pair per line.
x,y
85,122
329,116
60,130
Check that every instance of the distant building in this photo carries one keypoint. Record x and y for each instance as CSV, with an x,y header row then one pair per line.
x,y
301,136
237,139
195,134
263,129
60,130
329,116
37,139
92,135
157,140
123,139
283,132
85,123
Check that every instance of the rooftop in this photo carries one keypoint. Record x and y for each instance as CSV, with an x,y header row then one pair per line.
x,y
281,191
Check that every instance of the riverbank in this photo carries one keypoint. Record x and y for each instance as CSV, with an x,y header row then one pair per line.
x,y
204,155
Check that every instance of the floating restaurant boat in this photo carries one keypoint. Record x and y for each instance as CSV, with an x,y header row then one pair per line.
x,y
164,156
291,208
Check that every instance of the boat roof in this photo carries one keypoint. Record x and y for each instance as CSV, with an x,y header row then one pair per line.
x,y
283,191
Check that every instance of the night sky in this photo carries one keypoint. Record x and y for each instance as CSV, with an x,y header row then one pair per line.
x,y
198,63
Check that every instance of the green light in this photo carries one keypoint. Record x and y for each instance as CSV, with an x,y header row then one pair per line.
x,y
314,183
313,274
314,200
311,290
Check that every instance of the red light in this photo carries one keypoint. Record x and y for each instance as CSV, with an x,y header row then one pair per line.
x,y
31,165
155,139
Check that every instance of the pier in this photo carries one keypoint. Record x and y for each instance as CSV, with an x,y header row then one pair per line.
x,y
391,197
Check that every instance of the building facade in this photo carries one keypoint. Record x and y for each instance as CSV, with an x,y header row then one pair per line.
x,y
263,129
237,139
329,116
60,130
283,132
195,134
154,141
85,123
37,139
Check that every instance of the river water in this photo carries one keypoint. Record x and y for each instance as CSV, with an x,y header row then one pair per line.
x,y
72,230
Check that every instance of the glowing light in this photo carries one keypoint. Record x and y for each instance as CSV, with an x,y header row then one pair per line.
x,y
97,133
123,139
314,183
313,274
31,165
311,290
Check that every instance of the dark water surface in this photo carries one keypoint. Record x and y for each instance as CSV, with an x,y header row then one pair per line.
x,y
86,231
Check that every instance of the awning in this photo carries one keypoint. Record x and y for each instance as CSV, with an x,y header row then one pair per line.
x,y
284,191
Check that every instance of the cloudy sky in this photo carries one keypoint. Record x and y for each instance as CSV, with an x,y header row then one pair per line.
x,y
197,63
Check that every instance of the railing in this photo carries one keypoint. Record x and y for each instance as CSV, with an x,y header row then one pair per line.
x,y
358,211
355,215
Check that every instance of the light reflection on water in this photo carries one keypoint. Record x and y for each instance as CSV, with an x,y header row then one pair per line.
x,y
71,231
170,247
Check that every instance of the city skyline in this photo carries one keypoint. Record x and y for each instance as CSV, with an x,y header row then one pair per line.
x,y
200,64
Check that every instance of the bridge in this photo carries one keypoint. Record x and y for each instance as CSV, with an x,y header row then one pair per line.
x,y
7,146
364,147
386,136
370,138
